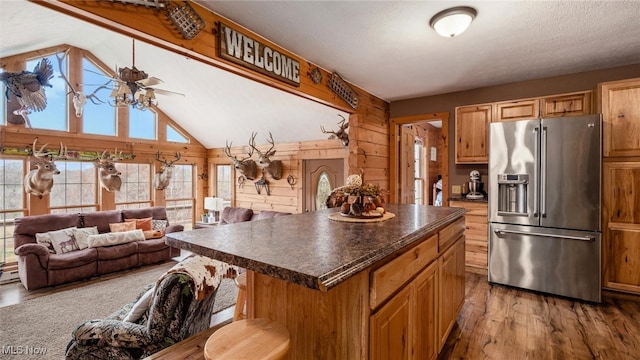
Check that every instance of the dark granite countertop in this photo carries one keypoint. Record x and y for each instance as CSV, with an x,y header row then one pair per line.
x,y
310,249
464,198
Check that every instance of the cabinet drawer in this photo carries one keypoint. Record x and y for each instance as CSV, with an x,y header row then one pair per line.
x,y
450,234
476,230
391,276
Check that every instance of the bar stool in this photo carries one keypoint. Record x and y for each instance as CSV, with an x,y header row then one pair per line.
x,y
248,339
241,283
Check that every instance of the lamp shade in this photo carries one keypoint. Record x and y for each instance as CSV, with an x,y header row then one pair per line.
x,y
213,203
454,21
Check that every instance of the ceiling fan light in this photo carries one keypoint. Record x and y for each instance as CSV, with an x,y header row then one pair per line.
x,y
454,21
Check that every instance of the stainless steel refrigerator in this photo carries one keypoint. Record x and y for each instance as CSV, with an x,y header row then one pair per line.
x,y
544,205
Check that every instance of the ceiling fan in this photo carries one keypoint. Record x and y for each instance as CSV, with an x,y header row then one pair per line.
x,y
134,87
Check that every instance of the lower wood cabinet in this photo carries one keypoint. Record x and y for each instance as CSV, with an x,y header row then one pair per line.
x,y
451,288
476,235
415,322
621,226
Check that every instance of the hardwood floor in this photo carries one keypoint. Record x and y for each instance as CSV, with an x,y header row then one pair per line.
x,y
496,322
499,322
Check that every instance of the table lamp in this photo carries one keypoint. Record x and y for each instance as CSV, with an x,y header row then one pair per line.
x,y
213,205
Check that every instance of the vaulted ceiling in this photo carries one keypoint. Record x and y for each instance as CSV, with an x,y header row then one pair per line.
x,y
384,47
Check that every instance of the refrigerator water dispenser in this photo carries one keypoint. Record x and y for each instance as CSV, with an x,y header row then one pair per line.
x,y
512,194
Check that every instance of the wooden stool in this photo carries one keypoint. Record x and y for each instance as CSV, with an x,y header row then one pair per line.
x,y
248,339
241,283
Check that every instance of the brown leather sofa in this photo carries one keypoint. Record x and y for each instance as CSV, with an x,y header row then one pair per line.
x,y
37,267
232,215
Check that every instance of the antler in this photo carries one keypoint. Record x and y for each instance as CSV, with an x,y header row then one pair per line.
x,y
270,141
60,59
39,153
166,162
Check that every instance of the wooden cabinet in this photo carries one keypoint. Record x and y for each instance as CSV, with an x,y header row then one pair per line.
x,y
621,226
472,133
573,104
416,297
620,107
476,235
391,334
517,110
451,280
570,104
405,327
425,341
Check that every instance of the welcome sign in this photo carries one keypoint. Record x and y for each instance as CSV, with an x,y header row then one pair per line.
x,y
248,52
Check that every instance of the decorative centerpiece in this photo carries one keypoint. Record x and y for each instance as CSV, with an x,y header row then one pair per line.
x,y
357,199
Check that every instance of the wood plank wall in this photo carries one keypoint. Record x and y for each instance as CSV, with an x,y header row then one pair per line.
x,y
368,124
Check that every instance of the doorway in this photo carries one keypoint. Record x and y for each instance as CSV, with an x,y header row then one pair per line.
x,y
321,176
427,181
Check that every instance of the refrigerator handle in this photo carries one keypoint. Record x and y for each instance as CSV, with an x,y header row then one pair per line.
x,y
536,135
543,174
581,238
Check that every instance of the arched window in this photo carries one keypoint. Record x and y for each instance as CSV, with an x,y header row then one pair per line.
x,y
323,191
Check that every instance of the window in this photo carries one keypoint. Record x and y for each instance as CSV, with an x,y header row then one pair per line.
x,y
175,136
54,117
142,124
179,196
135,191
3,106
323,191
97,118
223,183
12,203
419,172
74,189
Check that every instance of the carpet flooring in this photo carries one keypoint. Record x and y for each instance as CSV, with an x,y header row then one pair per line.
x,y
40,328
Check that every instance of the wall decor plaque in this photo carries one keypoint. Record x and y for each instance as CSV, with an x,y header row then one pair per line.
x,y
343,90
240,48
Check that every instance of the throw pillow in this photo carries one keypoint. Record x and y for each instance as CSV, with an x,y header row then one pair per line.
x,y
153,234
140,307
63,241
81,235
142,224
159,225
114,238
45,239
123,226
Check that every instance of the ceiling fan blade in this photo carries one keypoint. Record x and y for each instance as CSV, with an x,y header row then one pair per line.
x,y
167,92
150,81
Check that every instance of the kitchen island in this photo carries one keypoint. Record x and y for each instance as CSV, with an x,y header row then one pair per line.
x,y
346,290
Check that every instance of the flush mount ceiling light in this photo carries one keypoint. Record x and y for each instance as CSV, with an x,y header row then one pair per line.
x,y
454,21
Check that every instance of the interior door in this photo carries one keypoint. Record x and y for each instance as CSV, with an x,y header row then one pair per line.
x,y
321,176
407,164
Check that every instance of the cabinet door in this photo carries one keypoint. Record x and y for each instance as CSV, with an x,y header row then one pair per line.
x,y
476,234
391,335
426,345
621,226
451,283
621,117
525,109
573,104
472,125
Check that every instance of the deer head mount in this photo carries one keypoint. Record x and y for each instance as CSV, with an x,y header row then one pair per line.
x,y
341,134
39,181
246,166
79,98
162,179
108,174
273,167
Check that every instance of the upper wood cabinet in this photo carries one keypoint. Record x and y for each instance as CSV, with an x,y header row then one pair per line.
x,y
573,104
517,110
472,133
570,104
620,101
